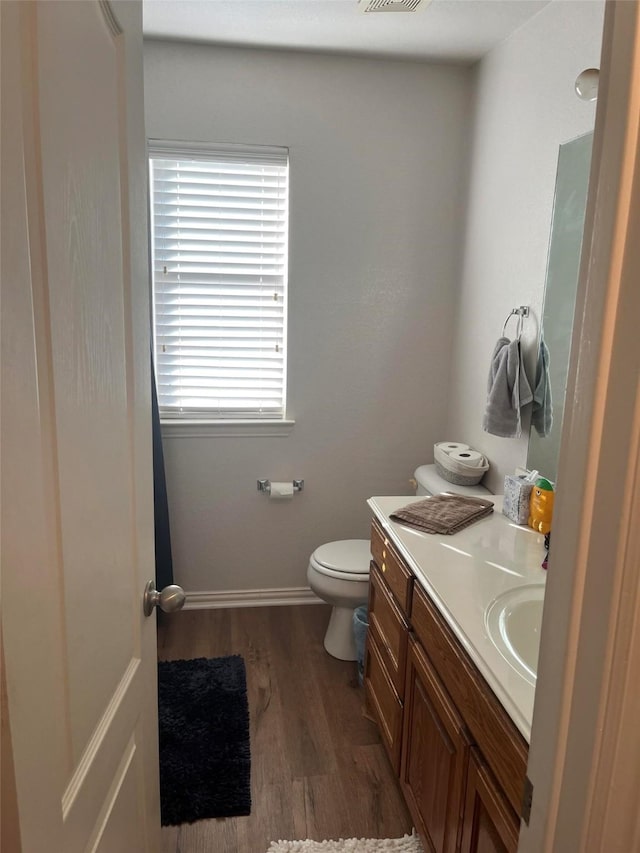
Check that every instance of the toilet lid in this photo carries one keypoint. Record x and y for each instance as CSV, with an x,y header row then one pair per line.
x,y
349,555
433,484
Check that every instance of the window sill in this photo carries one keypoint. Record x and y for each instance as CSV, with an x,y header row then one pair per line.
x,y
199,428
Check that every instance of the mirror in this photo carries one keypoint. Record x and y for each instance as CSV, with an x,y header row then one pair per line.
x,y
567,226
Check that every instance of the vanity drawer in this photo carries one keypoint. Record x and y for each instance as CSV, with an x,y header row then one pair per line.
x,y
396,575
383,701
495,733
391,629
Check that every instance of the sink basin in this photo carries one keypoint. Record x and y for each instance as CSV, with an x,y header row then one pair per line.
x,y
513,623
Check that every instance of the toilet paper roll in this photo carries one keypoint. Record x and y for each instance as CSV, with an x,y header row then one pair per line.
x,y
468,457
281,491
452,446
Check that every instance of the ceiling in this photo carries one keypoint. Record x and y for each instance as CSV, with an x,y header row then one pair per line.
x,y
444,30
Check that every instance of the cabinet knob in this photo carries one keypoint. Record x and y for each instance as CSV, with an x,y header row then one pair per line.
x,y
384,568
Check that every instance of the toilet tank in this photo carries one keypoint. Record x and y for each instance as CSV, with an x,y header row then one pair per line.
x,y
429,482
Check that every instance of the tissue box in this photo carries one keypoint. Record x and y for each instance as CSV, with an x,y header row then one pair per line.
x,y
517,493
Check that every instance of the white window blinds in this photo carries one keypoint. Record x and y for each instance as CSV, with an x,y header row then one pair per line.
x,y
219,244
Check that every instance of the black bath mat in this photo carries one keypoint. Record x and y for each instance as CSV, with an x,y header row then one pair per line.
x,y
205,758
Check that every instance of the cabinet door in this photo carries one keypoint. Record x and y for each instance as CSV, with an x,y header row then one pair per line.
x,y
435,755
390,627
491,728
382,700
490,824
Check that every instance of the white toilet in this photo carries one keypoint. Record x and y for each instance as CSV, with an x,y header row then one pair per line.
x,y
429,482
338,572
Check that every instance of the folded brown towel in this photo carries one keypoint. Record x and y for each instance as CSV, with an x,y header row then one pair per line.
x,y
443,513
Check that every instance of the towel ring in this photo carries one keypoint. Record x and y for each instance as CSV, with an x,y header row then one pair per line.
x,y
520,313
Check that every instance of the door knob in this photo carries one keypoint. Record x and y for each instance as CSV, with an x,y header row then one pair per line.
x,y
169,599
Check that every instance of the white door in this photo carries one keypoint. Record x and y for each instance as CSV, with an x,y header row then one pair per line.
x,y
77,514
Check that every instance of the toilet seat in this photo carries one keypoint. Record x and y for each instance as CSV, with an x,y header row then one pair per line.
x,y
346,560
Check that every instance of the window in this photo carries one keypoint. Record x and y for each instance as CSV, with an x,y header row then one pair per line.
x,y
219,220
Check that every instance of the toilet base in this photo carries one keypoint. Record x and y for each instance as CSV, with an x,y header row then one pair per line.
x,y
338,640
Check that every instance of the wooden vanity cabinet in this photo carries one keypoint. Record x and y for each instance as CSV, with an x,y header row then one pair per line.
x,y
491,728
382,701
459,757
390,588
398,578
390,629
490,824
435,754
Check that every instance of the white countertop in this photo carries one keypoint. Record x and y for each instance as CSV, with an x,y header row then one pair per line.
x,y
463,574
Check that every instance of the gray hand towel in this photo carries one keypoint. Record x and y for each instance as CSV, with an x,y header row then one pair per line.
x,y
508,390
542,410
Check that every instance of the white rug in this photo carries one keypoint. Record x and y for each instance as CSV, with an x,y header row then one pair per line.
x,y
406,844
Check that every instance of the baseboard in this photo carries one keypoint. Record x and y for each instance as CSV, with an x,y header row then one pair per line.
x,y
250,598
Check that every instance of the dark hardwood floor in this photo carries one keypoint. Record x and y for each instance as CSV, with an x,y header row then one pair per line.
x,y
318,767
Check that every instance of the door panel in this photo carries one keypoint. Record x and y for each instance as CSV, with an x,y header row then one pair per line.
x,y
80,154
76,433
435,754
490,824
123,826
382,699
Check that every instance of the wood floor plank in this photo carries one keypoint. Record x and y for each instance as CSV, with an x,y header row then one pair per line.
x,y
304,719
277,807
207,836
300,827
343,701
327,815
318,768
379,811
169,839
267,721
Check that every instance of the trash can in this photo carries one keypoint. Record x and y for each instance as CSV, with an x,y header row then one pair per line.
x,y
360,625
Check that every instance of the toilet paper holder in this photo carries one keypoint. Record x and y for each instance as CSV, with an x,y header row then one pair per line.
x,y
265,486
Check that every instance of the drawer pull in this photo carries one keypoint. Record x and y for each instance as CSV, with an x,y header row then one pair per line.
x,y
391,566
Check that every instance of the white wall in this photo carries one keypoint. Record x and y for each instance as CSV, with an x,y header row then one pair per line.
x,y
378,154
525,106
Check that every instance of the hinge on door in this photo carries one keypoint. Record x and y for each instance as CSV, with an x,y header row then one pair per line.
x,y
527,800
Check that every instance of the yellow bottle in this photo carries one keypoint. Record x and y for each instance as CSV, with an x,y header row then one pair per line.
x,y
541,506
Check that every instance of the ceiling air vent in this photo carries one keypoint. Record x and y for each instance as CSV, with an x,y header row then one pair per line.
x,y
392,5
